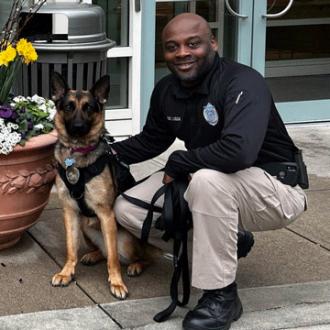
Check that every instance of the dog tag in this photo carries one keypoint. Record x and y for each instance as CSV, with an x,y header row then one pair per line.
x,y
72,174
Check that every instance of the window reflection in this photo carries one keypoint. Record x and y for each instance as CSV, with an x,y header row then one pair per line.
x,y
116,13
118,71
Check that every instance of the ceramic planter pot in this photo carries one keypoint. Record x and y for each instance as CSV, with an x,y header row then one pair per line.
x,y
26,177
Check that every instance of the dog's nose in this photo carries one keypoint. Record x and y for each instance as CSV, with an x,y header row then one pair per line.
x,y
78,128
78,125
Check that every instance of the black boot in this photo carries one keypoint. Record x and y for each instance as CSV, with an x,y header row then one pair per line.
x,y
245,242
215,310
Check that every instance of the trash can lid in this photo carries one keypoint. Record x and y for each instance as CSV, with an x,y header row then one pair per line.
x,y
82,22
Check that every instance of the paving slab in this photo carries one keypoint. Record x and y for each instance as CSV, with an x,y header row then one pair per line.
x,y
90,318
314,140
314,223
278,257
313,327
25,273
275,307
283,257
154,282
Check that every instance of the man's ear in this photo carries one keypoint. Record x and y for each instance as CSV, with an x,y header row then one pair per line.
x,y
58,85
214,43
101,89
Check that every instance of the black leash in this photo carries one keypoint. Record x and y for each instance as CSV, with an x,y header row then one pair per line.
x,y
175,221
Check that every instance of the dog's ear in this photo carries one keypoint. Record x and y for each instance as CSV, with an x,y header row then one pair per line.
x,y
101,89
58,85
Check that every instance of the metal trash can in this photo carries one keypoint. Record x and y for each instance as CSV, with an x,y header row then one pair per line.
x,y
69,38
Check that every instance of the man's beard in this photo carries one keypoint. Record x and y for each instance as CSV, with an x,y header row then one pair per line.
x,y
197,73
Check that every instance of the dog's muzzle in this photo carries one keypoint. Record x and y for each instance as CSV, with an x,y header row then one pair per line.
x,y
78,128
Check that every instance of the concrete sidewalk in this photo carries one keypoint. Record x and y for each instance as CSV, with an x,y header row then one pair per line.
x,y
284,283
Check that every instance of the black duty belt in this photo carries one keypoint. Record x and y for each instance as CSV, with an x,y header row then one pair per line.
x,y
290,173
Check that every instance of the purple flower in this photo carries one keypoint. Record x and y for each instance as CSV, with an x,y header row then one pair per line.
x,y
30,125
6,112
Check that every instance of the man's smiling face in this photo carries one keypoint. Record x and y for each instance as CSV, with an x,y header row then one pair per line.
x,y
189,47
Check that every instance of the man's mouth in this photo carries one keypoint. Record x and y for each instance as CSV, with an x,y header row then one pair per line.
x,y
184,66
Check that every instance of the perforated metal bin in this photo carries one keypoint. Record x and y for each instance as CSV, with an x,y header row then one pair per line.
x,y
69,38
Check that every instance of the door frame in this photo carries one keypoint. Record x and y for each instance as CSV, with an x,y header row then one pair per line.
x,y
291,112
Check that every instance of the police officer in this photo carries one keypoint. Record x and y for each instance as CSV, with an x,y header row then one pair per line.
x,y
226,116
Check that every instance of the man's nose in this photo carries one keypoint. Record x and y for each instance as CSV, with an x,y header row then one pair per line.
x,y
182,51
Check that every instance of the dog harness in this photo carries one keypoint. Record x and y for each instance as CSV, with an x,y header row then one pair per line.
x,y
77,190
119,172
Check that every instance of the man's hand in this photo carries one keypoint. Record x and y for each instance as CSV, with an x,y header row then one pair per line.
x,y
167,179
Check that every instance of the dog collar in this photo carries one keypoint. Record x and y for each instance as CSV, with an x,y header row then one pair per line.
x,y
84,150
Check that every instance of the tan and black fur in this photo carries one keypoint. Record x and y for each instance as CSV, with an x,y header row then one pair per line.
x,y
79,122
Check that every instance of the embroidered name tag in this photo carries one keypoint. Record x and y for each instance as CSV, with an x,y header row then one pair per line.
x,y
175,118
210,114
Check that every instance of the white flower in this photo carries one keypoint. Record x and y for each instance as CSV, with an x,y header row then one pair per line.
x,y
12,125
51,103
52,113
39,126
42,107
38,99
19,98
8,140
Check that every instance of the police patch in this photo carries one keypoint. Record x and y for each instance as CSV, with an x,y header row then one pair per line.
x,y
210,114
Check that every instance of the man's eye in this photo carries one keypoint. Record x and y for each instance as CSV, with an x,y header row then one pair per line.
x,y
194,44
170,48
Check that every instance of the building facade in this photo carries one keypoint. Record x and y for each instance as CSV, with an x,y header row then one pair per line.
x,y
288,41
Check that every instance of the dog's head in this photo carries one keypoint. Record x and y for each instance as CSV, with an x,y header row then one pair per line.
x,y
80,115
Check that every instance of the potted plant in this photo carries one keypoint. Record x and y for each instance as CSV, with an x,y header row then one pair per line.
x,y
27,138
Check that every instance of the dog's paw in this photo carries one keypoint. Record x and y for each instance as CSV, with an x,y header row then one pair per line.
x,y
135,269
119,291
92,258
61,280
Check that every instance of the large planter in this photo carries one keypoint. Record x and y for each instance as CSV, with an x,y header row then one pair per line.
x,y
26,177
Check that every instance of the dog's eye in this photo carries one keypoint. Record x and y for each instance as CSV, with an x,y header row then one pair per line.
x,y
88,107
69,107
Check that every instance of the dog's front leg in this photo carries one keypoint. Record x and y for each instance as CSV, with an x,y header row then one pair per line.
x,y
109,230
71,222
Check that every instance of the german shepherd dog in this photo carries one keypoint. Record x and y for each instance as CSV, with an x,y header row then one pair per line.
x,y
79,122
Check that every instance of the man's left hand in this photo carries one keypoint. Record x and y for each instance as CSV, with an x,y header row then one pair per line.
x,y
167,179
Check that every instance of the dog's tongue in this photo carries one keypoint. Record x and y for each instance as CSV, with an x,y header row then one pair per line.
x,y
84,150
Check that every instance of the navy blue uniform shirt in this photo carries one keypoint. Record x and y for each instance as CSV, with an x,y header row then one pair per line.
x,y
228,122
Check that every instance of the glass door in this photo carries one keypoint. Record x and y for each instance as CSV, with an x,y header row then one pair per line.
x,y
155,15
291,47
212,11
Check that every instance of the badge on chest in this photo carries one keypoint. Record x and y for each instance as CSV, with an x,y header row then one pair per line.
x,y
210,114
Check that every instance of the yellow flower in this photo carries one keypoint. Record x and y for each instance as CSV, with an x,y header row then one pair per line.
x,y
26,50
8,55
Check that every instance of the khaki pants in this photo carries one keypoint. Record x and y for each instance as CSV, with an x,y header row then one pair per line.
x,y
221,204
